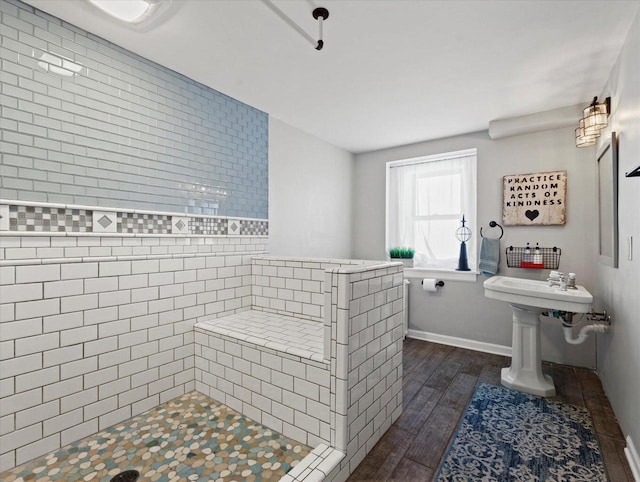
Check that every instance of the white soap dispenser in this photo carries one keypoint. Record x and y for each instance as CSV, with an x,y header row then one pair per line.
x,y
537,257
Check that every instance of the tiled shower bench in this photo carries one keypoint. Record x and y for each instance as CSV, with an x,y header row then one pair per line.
x,y
271,368
318,361
296,336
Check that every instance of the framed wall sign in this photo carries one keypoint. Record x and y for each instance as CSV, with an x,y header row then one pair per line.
x,y
534,199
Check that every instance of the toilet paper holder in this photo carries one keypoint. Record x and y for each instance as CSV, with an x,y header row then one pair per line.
x,y
439,283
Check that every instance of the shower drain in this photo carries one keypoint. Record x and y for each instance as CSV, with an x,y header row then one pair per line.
x,y
126,476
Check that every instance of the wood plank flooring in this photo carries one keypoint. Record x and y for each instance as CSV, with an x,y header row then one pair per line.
x,y
438,383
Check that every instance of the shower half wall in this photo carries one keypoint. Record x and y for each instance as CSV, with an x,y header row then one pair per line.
x,y
95,328
106,332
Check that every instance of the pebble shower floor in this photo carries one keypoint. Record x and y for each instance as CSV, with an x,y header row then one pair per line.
x,y
188,438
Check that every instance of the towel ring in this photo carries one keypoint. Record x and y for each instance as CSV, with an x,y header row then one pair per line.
x,y
493,224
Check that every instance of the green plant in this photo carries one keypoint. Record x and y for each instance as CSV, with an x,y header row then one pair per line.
x,y
405,253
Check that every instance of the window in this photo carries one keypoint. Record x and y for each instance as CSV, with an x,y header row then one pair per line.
x,y
426,199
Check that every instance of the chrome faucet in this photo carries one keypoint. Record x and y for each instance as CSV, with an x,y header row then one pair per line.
x,y
558,279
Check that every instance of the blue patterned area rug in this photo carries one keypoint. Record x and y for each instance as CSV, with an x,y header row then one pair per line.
x,y
507,435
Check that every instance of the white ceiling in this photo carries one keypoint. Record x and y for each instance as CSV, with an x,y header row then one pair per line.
x,y
392,71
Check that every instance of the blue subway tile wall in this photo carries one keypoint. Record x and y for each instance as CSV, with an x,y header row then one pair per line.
x,y
86,122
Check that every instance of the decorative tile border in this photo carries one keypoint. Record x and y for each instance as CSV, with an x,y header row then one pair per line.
x,y
254,228
144,223
104,222
233,226
213,226
42,218
179,225
29,217
4,217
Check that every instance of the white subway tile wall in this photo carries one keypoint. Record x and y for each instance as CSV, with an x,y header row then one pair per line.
x,y
255,380
293,286
84,345
350,398
121,132
366,358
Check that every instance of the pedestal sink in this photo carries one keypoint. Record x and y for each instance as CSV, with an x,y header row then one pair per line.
x,y
528,299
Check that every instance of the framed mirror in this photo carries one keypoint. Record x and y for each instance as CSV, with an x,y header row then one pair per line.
x,y
608,202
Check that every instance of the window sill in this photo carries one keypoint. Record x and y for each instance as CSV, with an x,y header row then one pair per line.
x,y
441,274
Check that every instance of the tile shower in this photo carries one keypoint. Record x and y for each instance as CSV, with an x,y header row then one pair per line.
x,y
133,206
100,290
90,341
188,438
104,330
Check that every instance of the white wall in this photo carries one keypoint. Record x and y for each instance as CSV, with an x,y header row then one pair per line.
x,y
619,289
309,195
460,309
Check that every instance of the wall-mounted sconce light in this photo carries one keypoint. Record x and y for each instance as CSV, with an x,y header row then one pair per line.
x,y
595,119
582,139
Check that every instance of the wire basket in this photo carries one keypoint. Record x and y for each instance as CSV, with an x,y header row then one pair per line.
x,y
532,258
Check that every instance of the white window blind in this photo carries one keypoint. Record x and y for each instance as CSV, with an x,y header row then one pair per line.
x,y
426,199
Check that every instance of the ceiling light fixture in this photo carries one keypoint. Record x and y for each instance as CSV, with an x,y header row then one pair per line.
x,y
595,118
320,14
131,11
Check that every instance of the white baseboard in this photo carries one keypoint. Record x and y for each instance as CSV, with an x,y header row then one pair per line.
x,y
461,343
633,458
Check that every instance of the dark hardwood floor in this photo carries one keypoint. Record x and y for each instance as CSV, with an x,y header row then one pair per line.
x,y
438,383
